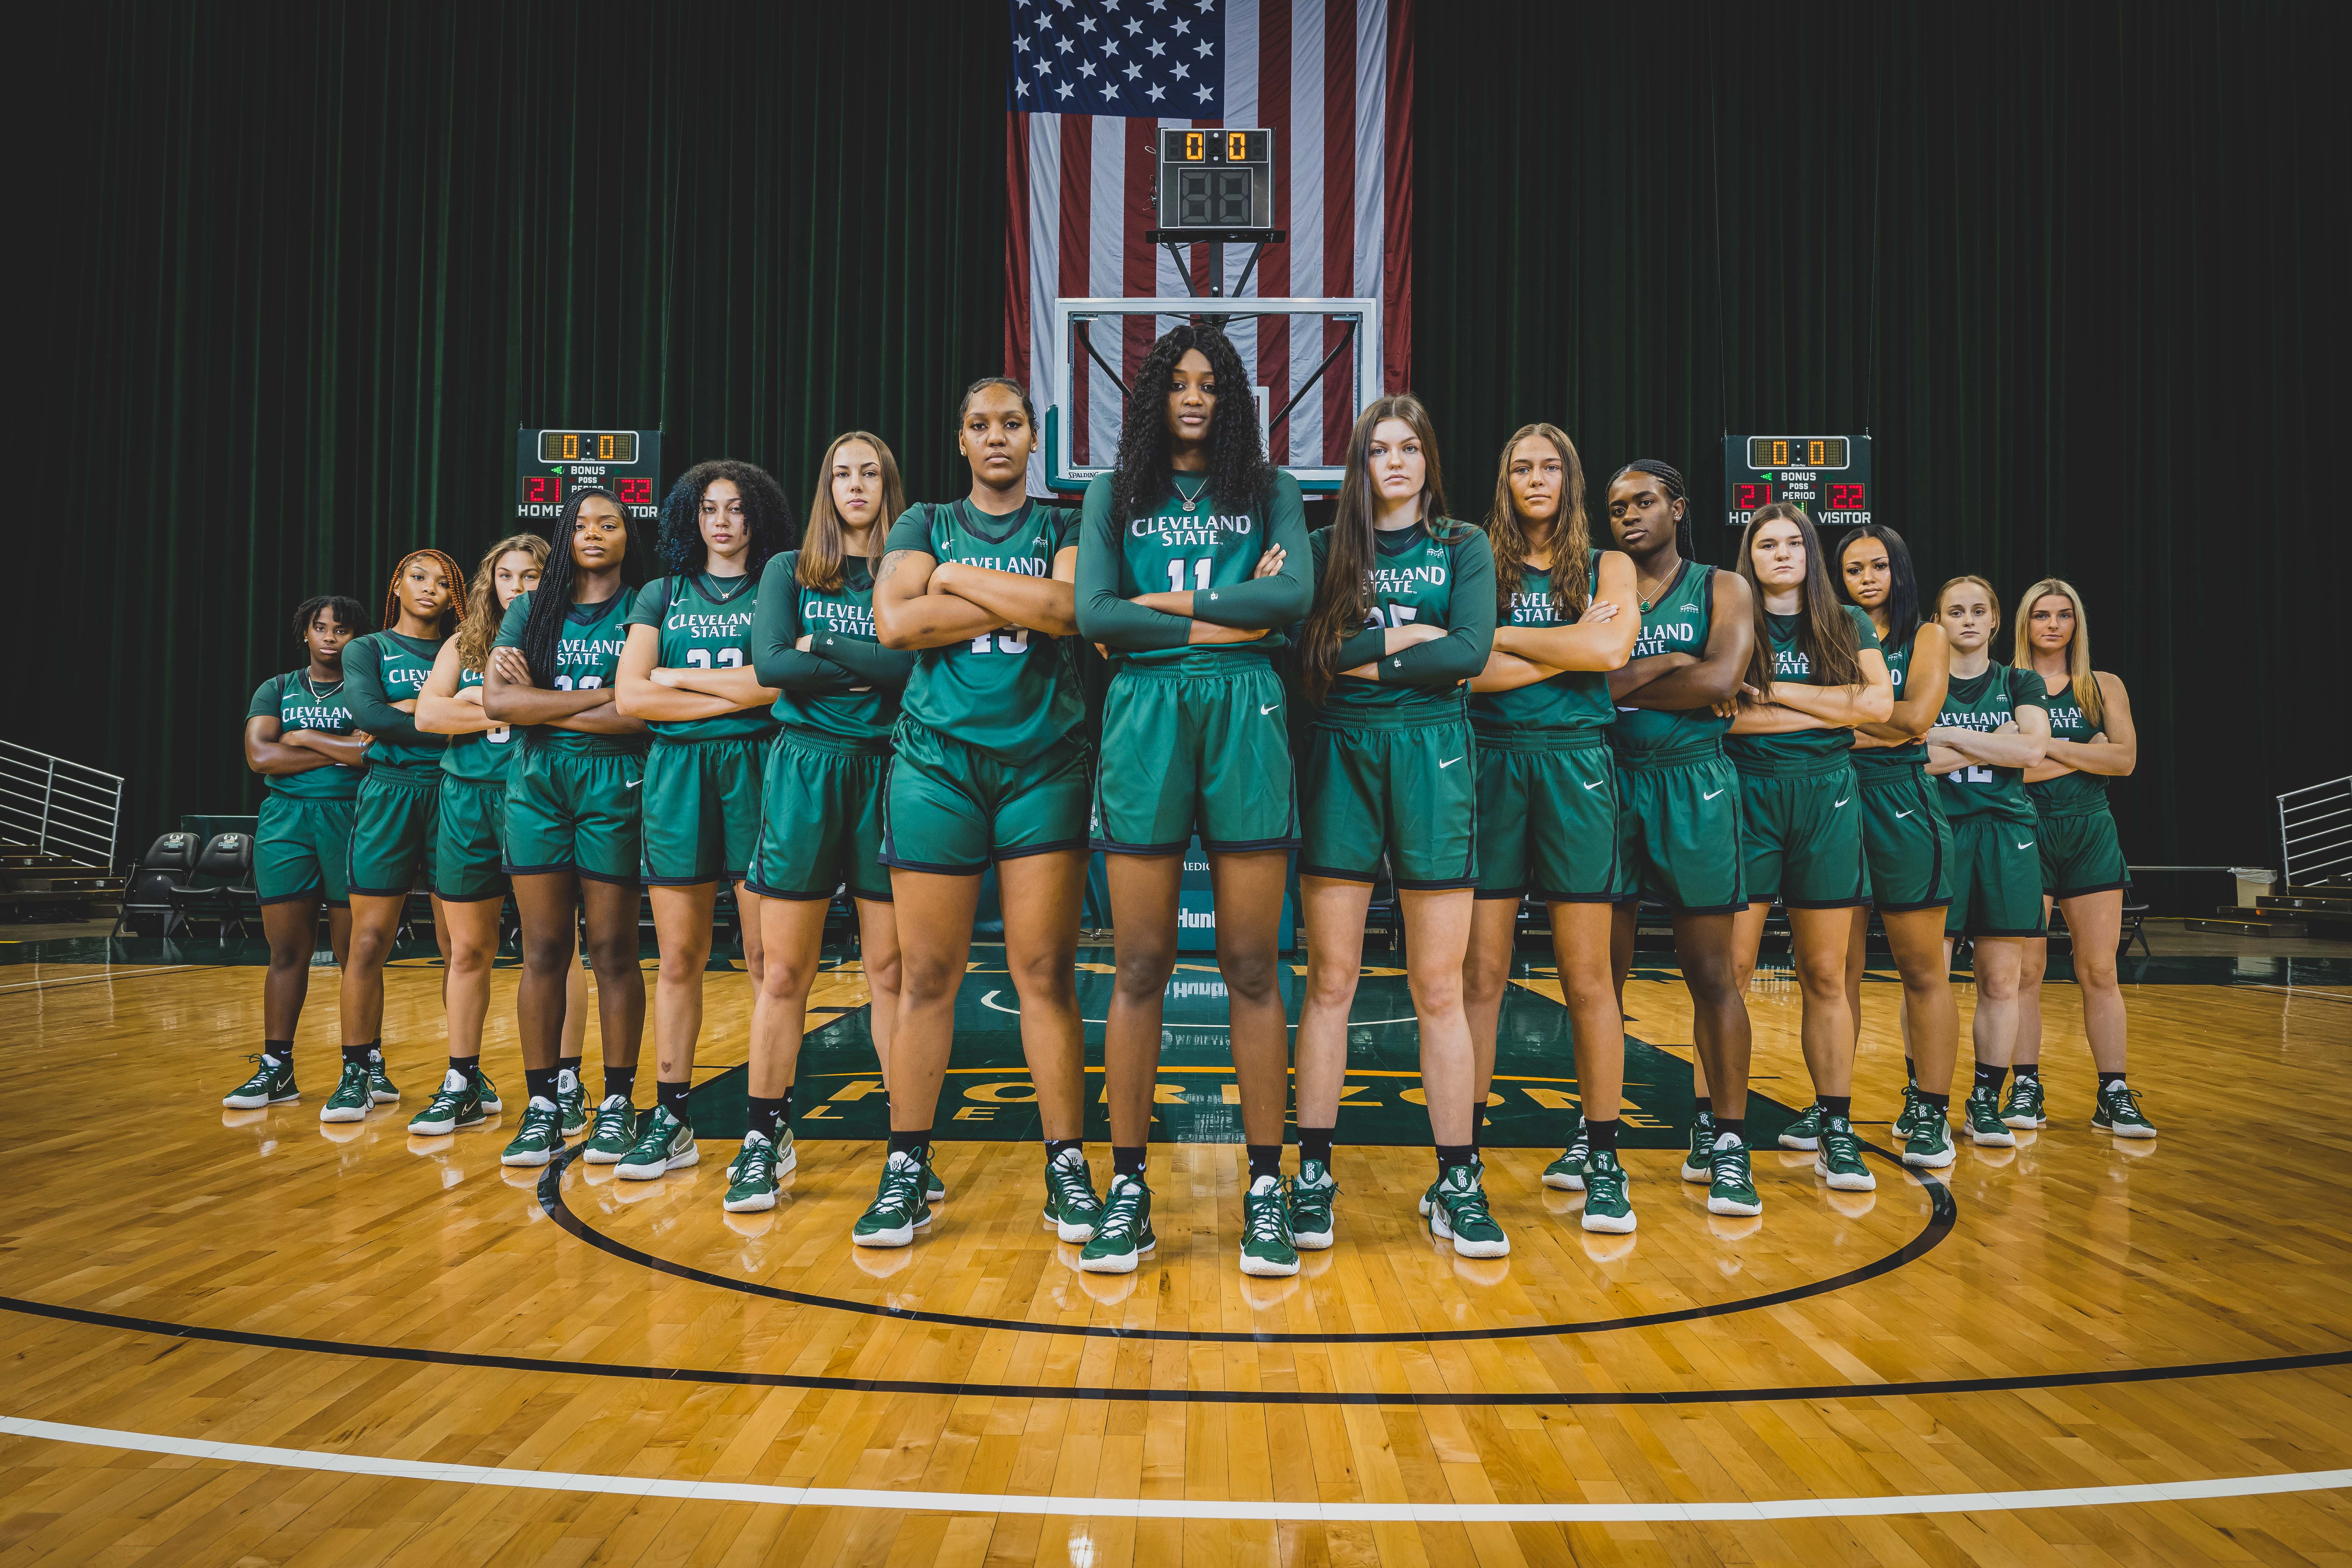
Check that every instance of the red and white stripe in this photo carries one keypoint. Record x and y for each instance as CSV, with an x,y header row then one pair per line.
x,y
1333,78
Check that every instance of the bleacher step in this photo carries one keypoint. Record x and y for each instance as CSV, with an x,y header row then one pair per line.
x,y
2242,926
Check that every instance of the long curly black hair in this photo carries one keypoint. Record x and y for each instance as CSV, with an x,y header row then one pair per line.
x,y
543,628
774,528
1239,475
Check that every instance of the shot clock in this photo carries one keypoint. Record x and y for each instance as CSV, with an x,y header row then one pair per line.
x,y
1829,476
550,464
1215,182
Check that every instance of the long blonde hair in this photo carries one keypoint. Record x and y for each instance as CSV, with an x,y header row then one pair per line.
x,y
1571,535
2079,674
820,562
480,627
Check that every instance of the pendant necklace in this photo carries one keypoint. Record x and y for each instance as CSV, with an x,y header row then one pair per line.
x,y
1192,502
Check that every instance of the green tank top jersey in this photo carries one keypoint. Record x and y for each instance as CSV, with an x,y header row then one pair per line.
x,y
1211,546
1985,703
705,623
482,757
1571,704
1010,693
1882,763
863,714
587,657
1765,753
2075,793
299,704
1418,579
1678,621
387,667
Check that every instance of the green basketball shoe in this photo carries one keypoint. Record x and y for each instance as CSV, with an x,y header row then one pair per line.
x,y
379,1086
1839,1160
1731,1189
1123,1234
1805,1131
663,1144
1608,1208
352,1100
1071,1206
539,1137
616,1133
457,1103
272,1083
898,1209
2023,1108
1930,1143
2120,1113
572,1101
486,1091
1311,1197
1985,1126
753,1177
1914,1108
1698,1166
1268,1251
781,1153
1567,1172
1460,1216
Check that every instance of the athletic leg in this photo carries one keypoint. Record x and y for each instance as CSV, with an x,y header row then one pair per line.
x,y
1144,889
1249,889
292,927
1042,894
473,944
934,921
1931,1023
546,902
376,921
2096,921
682,928
1335,912
1818,942
878,946
1485,976
2036,963
792,936
1579,944
612,921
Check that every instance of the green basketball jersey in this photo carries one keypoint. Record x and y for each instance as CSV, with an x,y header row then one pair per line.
x,y
705,623
1985,703
1891,761
1799,747
1418,579
1209,547
1573,702
380,669
482,757
1678,621
296,703
1013,694
2075,793
830,617
587,655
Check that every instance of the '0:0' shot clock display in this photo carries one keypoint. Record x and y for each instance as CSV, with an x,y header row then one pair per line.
x,y
1829,476
550,464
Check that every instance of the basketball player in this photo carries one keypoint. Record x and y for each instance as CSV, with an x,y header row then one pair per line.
x,y
1547,791
1679,799
1995,725
298,736
2091,741
1821,673
820,827
394,815
470,843
687,673
572,826
1191,555
1403,617
1905,838
990,768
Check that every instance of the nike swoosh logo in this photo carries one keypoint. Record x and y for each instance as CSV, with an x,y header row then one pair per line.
x,y
1710,796
1596,783
634,783
1840,802
1269,709
1449,761
1901,815
2027,845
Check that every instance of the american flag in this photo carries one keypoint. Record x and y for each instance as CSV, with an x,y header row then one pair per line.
x,y
1091,83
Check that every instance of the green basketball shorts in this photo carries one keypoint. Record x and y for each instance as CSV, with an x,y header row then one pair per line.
x,y
301,849
1996,878
469,841
1548,822
2081,854
1906,842
393,830
1679,832
1801,838
951,809
574,811
702,809
821,820
1411,793
1202,748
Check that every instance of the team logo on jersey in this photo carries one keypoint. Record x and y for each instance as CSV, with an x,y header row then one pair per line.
x,y
725,625
1389,580
1186,533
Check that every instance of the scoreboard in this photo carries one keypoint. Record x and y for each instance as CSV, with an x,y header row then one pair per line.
x,y
1829,476
551,464
1214,182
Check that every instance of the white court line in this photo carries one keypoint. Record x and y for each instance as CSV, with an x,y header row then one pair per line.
x,y
95,979
1186,1508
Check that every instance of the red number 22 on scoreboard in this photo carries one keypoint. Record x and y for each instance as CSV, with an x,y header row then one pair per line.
x,y
640,490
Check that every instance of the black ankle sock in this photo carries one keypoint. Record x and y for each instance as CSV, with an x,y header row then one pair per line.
x,y
470,1066
1704,1106
2033,1071
1054,1146
785,1099
1449,1155
671,1097
1735,1125
2107,1078
279,1051
539,1083
1129,1160
915,1144
1603,1135
1991,1077
1315,1143
1837,1105
767,1117
360,1054
1941,1102
622,1081
1265,1160
1911,1072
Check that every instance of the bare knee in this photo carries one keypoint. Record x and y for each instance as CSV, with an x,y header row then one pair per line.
x,y
683,962
369,949
1046,978
926,979
613,955
1250,976
1330,984
469,957
884,973
1143,968
2094,970
1436,993
783,979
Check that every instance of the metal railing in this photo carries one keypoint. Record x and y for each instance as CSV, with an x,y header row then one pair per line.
x,y
2315,832
55,806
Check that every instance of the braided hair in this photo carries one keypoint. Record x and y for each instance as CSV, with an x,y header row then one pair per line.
x,y
1238,474
453,616
1670,479
346,612
774,528
550,602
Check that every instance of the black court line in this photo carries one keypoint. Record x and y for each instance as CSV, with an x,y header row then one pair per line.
x,y
2309,1362
1940,1219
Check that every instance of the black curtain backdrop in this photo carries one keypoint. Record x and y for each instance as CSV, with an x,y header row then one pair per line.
x,y
300,271
2063,262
